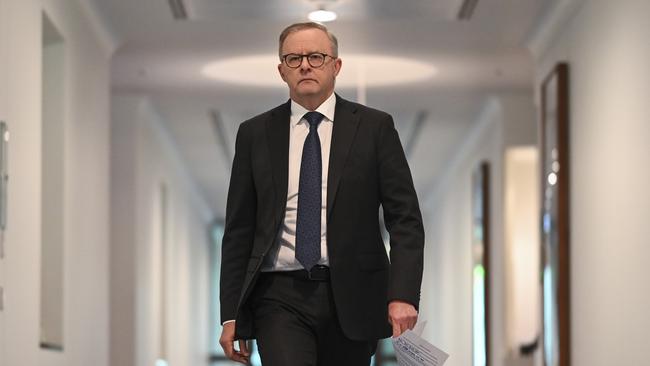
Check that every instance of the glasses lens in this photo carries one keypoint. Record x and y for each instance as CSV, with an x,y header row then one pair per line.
x,y
316,59
293,60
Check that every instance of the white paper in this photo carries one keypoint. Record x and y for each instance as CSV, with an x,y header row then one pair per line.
x,y
412,350
419,327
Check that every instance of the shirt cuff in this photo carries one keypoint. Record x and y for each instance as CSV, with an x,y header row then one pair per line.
x,y
228,321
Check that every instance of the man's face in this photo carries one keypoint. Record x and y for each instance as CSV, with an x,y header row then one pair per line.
x,y
306,81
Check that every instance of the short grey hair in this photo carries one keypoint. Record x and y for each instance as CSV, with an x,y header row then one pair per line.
x,y
308,25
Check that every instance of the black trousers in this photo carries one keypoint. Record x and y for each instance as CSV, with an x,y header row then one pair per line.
x,y
295,324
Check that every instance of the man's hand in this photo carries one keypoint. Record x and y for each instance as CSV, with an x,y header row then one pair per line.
x,y
402,316
227,342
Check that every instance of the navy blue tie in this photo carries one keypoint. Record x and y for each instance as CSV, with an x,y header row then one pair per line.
x,y
310,196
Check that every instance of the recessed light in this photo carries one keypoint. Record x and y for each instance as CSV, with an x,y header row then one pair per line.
x,y
322,16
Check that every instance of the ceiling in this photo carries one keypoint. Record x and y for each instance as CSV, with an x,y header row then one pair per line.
x,y
162,57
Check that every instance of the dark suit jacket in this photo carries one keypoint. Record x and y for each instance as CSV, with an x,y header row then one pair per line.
x,y
367,169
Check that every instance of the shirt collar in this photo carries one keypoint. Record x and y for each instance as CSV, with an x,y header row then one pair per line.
x,y
326,109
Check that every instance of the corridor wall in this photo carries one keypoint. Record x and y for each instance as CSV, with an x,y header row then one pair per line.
x,y
507,120
85,204
605,44
160,285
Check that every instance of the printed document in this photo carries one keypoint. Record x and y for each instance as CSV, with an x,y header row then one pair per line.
x,y
412,350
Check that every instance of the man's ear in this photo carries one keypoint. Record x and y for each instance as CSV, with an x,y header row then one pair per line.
x,y
337,66
281,73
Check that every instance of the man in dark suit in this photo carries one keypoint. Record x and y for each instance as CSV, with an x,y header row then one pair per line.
x,y
304,270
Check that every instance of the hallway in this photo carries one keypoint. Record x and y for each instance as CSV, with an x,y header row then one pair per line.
x,y
117,135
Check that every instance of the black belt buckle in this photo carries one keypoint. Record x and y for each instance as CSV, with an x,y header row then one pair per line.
x,y
319,273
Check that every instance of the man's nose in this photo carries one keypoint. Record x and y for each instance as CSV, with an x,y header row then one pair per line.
x,y
304,64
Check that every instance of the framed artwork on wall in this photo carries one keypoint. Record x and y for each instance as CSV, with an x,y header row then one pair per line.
x,y
555,256
481,265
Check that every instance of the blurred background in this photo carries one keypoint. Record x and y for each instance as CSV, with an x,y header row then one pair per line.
x,y
118,126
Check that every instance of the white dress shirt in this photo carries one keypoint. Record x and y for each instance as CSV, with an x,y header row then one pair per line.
x,y
282,256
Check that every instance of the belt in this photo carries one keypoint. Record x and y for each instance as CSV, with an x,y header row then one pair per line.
x,y
318,272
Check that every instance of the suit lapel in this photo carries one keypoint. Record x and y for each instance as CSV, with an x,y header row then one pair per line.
x,y
277,130
346,121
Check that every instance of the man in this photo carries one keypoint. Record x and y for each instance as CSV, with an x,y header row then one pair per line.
x,y
304,269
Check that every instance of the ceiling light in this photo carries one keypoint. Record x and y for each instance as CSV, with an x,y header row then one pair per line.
x,y
261,70
322,16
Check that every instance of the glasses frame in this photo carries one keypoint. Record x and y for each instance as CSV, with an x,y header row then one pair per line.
x,y
302,56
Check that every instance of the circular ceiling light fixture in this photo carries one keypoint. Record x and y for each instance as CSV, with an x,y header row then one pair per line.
x,y
370,70
322,16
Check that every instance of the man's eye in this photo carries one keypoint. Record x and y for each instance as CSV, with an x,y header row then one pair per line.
x,y
293,58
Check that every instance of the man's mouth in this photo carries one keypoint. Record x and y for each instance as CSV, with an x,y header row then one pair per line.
x,y
306,80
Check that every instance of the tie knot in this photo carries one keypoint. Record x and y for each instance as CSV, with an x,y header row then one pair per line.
x,y
314,118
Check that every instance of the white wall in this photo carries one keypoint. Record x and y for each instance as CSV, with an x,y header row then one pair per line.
x,y
605,44
522,246
507,120
143,158
3,111
86,197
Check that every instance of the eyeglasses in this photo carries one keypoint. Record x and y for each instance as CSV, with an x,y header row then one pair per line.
x,y
294,60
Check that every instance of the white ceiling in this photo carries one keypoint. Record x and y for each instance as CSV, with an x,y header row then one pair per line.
x,y
475,59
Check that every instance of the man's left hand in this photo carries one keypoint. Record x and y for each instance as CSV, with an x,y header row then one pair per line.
x,y
402,316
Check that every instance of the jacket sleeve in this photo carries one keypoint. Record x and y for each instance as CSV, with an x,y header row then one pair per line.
x,y
239,230
402,217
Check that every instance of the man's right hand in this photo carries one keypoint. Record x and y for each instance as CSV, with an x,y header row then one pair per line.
x,y
227,342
